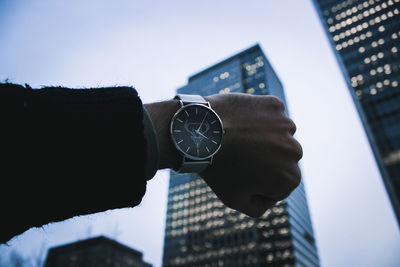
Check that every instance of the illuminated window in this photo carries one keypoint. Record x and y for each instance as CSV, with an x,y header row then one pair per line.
x,y
224,75
283,231
225,91
250,91
372,10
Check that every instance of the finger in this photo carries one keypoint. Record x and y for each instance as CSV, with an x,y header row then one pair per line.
x,y
296,148
277,104
292,126
258,205
280,183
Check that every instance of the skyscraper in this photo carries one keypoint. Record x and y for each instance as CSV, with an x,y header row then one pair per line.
x,y
365,36
200,229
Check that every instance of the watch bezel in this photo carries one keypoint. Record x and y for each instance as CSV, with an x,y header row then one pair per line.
x,y
181,109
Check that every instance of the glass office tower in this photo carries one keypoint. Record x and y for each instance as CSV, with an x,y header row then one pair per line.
x,y
365,35
200,229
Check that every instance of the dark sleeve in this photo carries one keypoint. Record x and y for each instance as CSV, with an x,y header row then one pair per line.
x,y
68,152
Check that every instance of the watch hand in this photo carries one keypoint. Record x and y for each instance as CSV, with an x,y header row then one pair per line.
x,y
199,133
201,124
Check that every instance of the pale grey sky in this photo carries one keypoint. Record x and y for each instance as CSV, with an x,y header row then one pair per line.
x,y
155,46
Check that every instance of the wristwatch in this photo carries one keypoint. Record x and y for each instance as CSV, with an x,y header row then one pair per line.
x,y
196,131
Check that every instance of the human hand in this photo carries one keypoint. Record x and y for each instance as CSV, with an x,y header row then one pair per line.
x,y
257,163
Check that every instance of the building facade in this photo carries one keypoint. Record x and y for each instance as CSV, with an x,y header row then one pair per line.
x,y
94,252
365,35
200,229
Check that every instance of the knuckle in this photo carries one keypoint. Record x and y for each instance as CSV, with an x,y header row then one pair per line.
x,y
292,179
292,126
277,103
294,149
298,150
295,178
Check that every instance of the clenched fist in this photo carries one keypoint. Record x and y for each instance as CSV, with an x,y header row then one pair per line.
x,y
257,163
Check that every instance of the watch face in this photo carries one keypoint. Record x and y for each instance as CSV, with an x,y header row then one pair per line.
x,y
196,131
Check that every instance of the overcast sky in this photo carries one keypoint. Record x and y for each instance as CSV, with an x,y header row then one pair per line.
x,y
155,46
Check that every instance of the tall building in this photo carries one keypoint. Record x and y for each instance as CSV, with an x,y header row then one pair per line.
x,y
365,36
200,229
95,252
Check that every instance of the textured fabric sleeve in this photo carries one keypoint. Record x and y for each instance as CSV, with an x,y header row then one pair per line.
x,y
68,152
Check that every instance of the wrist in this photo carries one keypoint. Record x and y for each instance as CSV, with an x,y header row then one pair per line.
x,y
161,114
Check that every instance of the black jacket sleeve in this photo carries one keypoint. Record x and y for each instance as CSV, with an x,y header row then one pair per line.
x,y
68,152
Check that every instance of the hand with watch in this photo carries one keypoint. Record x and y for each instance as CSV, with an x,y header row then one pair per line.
x,y
241,145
